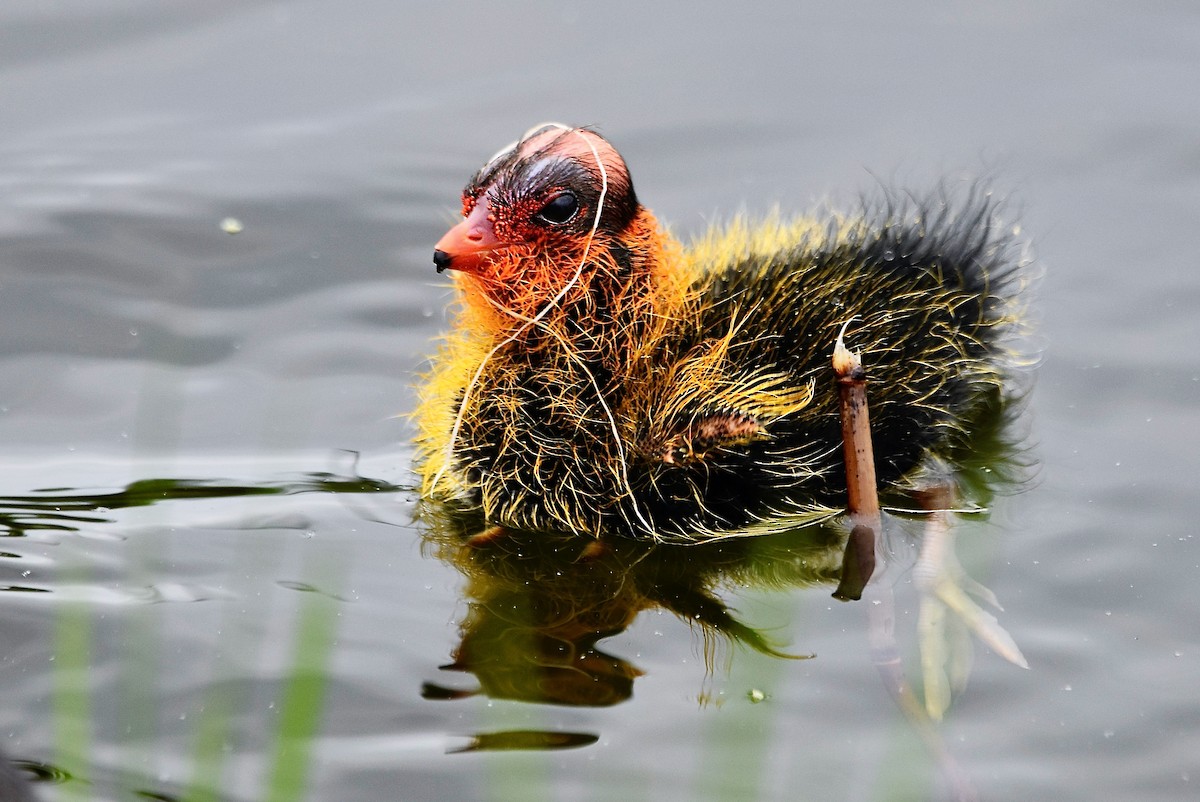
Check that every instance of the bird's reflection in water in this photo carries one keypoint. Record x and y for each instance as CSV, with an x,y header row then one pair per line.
x,y
538,605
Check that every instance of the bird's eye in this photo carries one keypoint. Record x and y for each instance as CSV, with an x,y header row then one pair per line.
x,y
560,209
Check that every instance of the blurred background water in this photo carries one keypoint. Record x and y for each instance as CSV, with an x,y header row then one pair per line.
x,y
252,635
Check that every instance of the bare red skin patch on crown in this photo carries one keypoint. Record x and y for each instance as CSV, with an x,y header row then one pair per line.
x,y
577,143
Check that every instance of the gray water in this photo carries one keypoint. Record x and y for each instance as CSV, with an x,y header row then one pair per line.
x,y
150,648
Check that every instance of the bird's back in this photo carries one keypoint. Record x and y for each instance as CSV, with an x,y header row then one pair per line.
x,y
925,292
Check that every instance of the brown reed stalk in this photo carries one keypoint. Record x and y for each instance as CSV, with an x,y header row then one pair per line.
x,y
858,562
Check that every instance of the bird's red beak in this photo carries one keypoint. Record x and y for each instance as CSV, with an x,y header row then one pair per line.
x,y
469,244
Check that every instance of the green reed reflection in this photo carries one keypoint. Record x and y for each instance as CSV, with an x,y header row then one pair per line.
x,y
303,699
71,696
75,704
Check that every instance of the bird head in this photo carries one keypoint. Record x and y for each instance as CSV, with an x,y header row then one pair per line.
x,y
538,213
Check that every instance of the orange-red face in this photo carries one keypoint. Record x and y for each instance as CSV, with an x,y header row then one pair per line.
x,y
538,199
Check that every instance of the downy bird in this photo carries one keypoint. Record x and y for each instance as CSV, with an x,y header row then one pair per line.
x,y
603,379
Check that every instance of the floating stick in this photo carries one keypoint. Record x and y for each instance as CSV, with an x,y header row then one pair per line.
x,y
858,562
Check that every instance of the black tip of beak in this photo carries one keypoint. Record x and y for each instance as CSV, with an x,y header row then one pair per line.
x,y
441,260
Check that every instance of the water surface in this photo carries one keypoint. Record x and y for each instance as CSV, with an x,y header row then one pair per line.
x,y
213,585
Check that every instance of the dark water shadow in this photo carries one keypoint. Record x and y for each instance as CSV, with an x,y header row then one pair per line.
x,y
64,509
